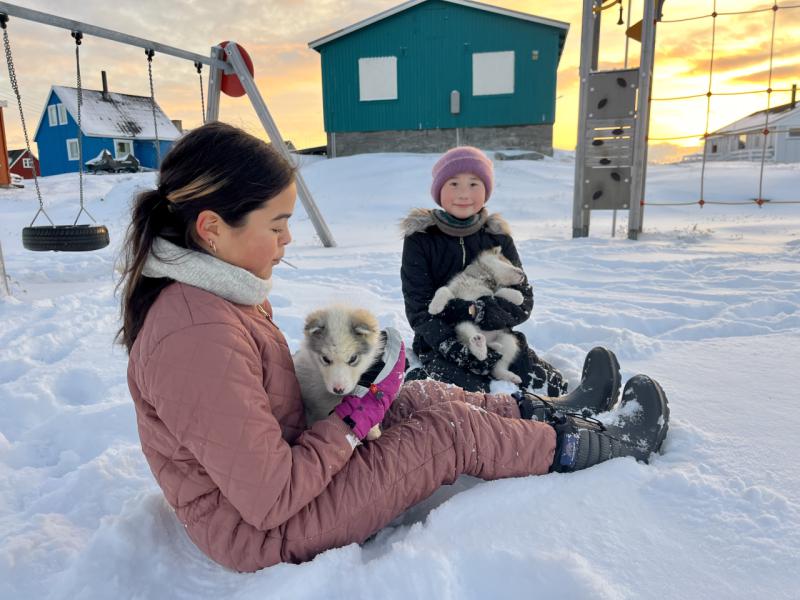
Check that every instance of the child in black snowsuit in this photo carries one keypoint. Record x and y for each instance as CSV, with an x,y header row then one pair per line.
x,y
439,244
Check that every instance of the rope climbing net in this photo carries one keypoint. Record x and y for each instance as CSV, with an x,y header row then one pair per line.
x,y
769,91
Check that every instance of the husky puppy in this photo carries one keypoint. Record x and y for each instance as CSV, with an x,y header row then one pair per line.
x,y
340,344
487,275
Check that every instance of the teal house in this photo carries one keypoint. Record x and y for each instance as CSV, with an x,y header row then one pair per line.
x,y
427,75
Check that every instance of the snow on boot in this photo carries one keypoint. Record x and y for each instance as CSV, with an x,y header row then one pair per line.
x,y
639,431
644,426
596,393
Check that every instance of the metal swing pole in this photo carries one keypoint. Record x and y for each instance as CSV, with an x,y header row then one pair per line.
x,y
215,83
240,68
652,12
3,275
218,68
590,48
109,34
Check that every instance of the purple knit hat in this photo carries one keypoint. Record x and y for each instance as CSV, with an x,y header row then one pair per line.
x,y
463,159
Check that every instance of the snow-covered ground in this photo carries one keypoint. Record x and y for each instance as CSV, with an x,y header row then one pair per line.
x,y
707,302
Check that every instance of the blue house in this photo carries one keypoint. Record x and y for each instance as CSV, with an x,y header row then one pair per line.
x,y
427,75
119,123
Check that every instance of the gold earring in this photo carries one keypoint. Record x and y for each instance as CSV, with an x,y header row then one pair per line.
x,y
213,246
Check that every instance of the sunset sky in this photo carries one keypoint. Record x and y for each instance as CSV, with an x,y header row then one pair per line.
x,y
276,34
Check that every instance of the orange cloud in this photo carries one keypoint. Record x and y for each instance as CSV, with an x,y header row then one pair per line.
x,y
276,34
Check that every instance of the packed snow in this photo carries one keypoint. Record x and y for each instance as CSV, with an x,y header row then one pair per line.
x,y
707,302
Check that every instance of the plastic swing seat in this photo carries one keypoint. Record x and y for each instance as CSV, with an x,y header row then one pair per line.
x,y
65,238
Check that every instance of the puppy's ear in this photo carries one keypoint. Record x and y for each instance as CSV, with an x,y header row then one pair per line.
x,y
364,323
315,323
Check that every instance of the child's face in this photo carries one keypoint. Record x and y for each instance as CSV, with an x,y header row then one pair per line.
x,y
463,195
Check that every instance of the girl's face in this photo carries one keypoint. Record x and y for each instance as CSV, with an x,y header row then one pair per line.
x,y
463,195
258,245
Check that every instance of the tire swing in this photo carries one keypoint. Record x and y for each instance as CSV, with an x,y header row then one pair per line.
x,y
59,238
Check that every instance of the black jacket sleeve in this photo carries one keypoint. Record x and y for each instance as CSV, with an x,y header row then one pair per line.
x,y
490,314
418,291
458,310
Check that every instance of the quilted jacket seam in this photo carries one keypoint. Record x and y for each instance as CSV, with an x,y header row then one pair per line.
x,y
237,328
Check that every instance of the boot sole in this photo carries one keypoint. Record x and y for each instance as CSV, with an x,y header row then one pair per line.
x,y
659,402
662,433
611,401
664,415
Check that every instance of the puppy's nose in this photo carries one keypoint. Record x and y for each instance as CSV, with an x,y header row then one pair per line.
x,y
338,390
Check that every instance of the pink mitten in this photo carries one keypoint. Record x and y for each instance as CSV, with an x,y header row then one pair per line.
x,y
362,412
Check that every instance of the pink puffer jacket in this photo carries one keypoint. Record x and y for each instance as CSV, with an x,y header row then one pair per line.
x,y
221,425
221,422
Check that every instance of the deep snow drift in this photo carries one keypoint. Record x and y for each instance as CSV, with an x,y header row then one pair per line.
x,y
707,302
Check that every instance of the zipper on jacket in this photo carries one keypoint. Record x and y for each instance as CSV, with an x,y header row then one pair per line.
x,y
264,312
463,253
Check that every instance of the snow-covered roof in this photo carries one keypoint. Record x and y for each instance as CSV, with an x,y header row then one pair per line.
x,y
121,116
406,5
756,120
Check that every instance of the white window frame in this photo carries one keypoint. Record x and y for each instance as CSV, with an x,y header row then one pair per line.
x,y
52,115
69,149
129,143
493,73
62,114
27,163
377,78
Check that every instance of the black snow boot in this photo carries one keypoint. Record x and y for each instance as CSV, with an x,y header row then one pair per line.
x,y
596,393
639,430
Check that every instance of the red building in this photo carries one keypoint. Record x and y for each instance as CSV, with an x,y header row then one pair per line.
x,y
23,163
5,179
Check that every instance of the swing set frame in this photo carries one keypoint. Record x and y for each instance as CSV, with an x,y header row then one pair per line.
x,y
227,60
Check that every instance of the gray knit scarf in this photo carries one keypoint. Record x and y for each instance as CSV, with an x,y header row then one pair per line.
x,y
451,225
205,272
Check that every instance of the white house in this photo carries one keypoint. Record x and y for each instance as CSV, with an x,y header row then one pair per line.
x,y
744,139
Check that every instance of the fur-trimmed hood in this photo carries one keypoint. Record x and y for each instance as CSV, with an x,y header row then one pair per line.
x,y
419,219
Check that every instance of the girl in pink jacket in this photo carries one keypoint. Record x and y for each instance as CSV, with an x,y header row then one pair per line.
x,y
218,405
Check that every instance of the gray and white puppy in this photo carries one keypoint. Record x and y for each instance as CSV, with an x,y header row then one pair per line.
x,y
340,343
487,275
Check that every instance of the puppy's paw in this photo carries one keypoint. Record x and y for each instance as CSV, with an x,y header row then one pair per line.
x,y
435,307
374,433
512,295
506,375
477,345
440,300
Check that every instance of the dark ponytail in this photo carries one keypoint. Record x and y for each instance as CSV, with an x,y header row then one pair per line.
x,y
214,167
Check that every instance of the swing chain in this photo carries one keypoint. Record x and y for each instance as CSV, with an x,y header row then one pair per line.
x,y
150,53
12,77
199,66
78,37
